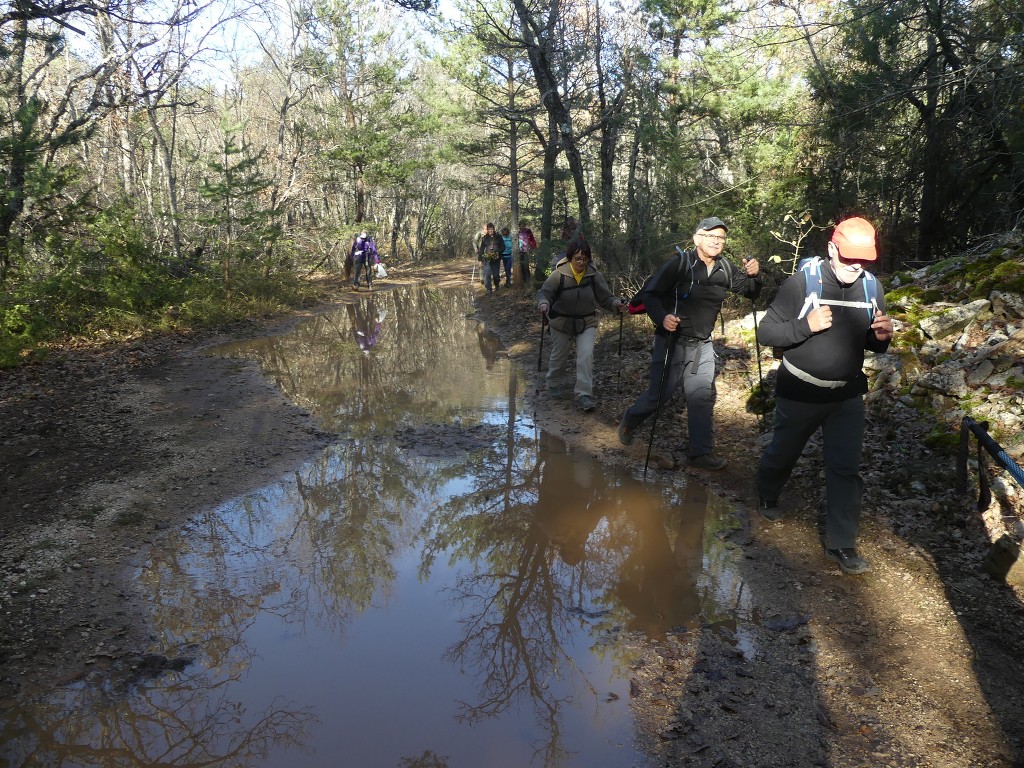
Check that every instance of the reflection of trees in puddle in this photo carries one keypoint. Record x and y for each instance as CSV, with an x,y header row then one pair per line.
x,y
559,543
325,539
188,722
424,360
553,544
516,601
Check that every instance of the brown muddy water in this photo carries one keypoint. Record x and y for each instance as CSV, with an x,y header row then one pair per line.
x,y
447,585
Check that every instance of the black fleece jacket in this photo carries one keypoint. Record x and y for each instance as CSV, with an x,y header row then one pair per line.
x,y
683,286
835,354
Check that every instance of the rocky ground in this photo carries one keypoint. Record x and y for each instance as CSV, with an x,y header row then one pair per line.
x,y
914,664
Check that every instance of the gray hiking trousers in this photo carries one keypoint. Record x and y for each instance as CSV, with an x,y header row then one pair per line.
x,y
558,363
842,430
693,363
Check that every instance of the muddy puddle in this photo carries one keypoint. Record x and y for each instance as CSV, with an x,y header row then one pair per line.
x,y
446,585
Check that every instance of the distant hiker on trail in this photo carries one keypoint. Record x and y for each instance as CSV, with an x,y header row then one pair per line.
x,y
569,300
527,245
506,255
488,253
478,237
821,382
683,299
364,255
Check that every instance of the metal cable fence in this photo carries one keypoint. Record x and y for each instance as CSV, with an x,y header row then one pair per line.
x,y
985,445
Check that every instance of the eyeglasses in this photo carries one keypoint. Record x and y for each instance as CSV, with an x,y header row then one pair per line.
x,y
716,239
578,257
851,262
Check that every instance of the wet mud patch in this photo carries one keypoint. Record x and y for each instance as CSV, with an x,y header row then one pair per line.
x,y
438,441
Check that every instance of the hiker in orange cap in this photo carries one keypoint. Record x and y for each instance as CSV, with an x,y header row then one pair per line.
x,y
824,317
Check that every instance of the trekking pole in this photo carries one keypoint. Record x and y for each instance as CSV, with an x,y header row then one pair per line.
x,y
621,318
618,368
669,349
757,344
540,349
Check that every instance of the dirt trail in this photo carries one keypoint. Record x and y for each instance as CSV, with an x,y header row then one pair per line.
x,y
915,664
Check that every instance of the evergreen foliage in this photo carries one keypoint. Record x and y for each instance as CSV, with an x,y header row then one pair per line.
x,y
138,172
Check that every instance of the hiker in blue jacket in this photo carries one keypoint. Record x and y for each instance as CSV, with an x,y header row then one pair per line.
x,y
683,299
570,298
821,382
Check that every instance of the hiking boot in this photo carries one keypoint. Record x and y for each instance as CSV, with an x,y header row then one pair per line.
x,y
586,403
769,509
708,461
848,559
625,433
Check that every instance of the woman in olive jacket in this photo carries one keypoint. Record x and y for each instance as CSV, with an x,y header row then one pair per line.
x,y
569,299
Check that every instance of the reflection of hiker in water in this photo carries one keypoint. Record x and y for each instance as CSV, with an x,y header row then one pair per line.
x,y
490,345
567,510
658,580
366,327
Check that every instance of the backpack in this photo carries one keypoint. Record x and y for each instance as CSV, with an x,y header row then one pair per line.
x,y
636,304
811,267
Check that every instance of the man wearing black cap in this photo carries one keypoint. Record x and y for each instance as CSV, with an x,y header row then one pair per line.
x,y
683,299
821,381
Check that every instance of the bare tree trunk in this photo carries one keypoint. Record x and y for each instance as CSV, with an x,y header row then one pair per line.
x,y
119,119
13,201
513,164
551,150
166,153
634,223
396,223
538,41
609,123
285,162
930,207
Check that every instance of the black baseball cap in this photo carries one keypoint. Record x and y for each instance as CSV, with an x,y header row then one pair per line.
x,y
711,222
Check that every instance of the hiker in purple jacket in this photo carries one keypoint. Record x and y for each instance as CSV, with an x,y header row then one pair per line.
x,y
364,256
